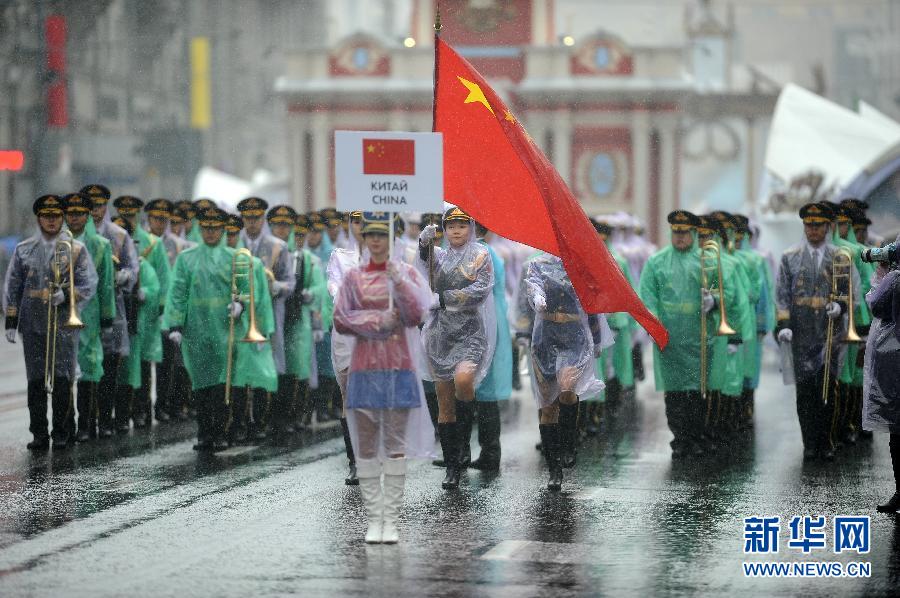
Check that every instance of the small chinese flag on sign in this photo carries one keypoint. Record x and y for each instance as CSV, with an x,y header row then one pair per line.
x,y
389,156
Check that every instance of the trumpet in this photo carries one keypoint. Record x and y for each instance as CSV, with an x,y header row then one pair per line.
x,y
841,268
62,257
710,250
241,267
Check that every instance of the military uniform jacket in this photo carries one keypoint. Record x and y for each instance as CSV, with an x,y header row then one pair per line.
x,y
124,259
274,254
27,294
802,292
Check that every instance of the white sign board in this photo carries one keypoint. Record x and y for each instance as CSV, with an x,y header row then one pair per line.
x,y
389,171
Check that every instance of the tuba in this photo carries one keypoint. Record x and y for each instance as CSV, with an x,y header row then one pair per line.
x,y
710,251
61,263
241,268
841,269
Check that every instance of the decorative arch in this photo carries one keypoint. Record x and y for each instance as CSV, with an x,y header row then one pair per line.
x,y
360,55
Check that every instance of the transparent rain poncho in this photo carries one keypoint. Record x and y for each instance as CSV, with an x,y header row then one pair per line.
x,y
461,336
385,402
565,341
881,407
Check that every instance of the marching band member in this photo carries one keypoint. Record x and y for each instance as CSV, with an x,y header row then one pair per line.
x,y
803,296
197,314
670,288
460,330
28,295
385,406
303,321
97,314
342,261
116,341
279,266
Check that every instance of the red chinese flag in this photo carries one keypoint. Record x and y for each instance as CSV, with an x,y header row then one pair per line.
x,y
389,156
495,172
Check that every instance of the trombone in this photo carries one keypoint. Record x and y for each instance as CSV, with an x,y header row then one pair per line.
x,y
241,267
710,250
841,268
62,257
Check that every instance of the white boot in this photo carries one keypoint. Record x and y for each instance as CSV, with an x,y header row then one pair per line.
x,y
369,473
394,480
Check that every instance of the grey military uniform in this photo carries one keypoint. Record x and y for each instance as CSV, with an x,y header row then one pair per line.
x,y
26,298
276,258
125,259
175,245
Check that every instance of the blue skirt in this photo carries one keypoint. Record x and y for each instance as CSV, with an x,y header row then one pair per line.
x,y
383,389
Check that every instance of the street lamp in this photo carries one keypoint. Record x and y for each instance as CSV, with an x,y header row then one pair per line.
x,y
409,42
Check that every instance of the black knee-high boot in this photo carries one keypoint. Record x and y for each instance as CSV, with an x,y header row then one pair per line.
x,y
37,412
893,504
568,434
351,479
465,415
550,442
450,446
488,437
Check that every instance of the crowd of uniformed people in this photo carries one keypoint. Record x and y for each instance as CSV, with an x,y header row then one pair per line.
x,y
410,329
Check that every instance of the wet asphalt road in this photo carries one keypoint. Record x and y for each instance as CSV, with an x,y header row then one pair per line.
x,y
144,515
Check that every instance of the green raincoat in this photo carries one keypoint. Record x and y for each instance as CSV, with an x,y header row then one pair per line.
x,y
197,305
298,344
727,373
670,288
254,365
850,372
618,357
148,320
100,307
151,249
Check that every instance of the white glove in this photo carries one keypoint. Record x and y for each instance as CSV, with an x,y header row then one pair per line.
x,y
235,309
540,304
435,301
708,302
785,335
123,277
318,336
523,342
11,335
428,234
306,296
732,349
175,337
389,320
833,310
58,298
393,271
141,295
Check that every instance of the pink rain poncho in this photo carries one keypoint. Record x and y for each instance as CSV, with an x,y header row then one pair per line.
x,y
385,402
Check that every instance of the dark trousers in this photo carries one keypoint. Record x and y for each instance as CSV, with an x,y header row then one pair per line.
x,y
106,390
895,459
212,413
281,415
685,413
166,373
141,407
260,403
63,409
816,418
87,407
637,361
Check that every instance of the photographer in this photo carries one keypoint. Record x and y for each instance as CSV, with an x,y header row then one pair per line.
x,y
881,398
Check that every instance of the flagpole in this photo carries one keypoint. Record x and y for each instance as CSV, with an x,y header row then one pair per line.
x,y
391,231
437,34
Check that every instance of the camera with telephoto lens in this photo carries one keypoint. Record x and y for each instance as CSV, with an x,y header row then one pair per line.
x,y
887,254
